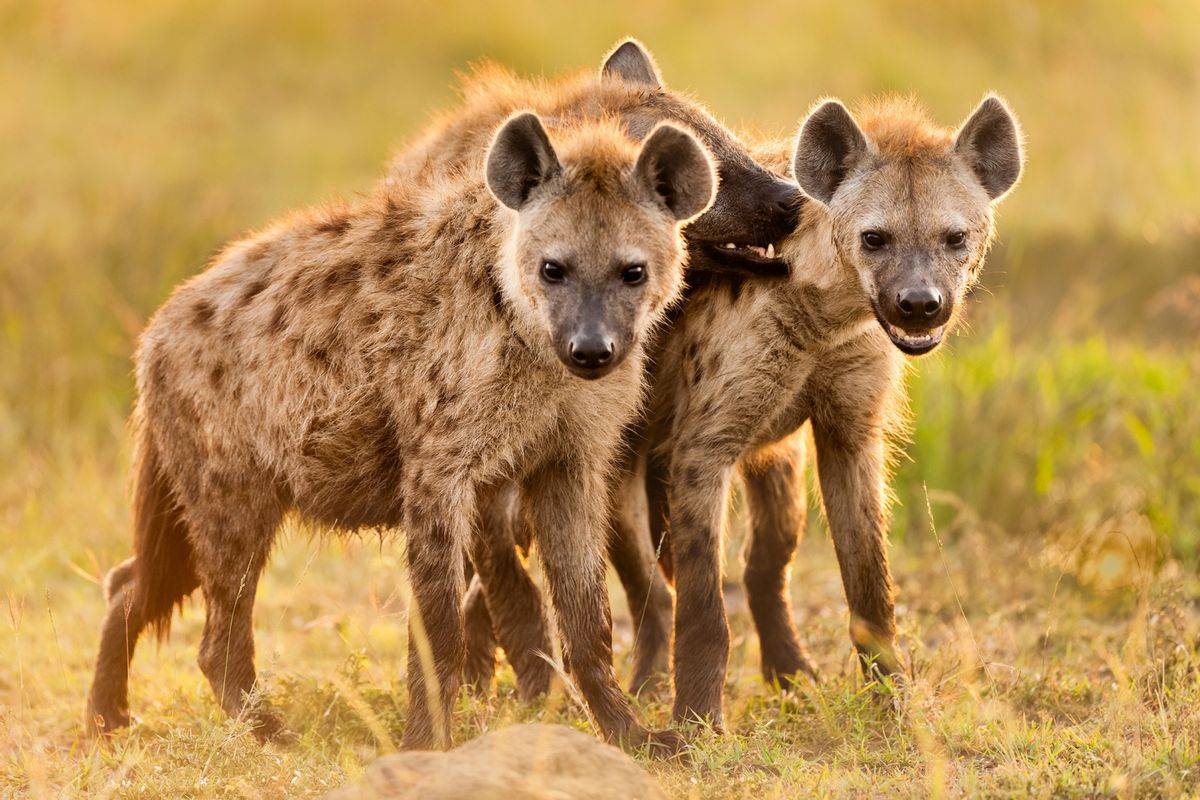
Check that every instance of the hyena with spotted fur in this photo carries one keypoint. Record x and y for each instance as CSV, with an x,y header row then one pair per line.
x,y
753,211
390,365
881,263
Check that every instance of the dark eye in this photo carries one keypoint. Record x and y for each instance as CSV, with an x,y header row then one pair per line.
x,y
553,272
633,274
873,240
956,239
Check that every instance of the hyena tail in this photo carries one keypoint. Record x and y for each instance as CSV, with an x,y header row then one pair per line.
x,y
162,571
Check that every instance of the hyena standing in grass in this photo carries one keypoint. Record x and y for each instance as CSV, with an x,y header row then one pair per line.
x,y
881,263
740,233
390,365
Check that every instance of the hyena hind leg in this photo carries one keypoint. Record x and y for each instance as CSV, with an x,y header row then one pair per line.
x,y
516,609
479,669
118,577
775,497
650,602
108,700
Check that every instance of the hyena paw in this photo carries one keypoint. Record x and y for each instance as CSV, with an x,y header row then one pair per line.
x,y
787,670
666,744
662,744
100,720
534,675
268,728
479,672
653,683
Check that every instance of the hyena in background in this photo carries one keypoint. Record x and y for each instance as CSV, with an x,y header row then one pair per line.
x,y
740,233
881,262
753,211
391,364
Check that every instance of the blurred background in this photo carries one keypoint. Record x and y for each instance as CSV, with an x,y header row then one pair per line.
x,y
137,137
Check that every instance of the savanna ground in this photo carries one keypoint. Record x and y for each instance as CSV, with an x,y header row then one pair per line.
x,y
1047,531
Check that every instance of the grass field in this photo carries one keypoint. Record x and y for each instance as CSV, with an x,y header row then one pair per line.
x,y
1047,534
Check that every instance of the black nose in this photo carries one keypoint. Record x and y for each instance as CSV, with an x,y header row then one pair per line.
x,y
785,208
919,302
590,350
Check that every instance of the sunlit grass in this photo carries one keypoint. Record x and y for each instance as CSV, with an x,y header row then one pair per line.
x,y
1051,624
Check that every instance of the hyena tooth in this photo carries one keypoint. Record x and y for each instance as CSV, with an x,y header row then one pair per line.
x,y
770,251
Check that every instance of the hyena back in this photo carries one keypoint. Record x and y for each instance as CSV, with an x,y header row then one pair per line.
x,y
389,365
754,208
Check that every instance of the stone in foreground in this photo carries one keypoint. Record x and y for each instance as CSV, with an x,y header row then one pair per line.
x,y
520,762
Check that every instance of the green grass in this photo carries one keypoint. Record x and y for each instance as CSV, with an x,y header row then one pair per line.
x,y
1047,532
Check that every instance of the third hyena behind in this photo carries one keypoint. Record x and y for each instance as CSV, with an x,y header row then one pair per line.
x,y
389,365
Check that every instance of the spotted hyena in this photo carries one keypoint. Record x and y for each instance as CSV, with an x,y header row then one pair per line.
x,y
740,234
389,365
900,221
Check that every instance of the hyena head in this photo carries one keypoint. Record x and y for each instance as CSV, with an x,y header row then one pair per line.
x,y
911,205
596,253
754,210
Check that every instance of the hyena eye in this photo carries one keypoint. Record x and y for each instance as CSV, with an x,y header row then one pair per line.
x,y
633,274
873,240
553,272
956,239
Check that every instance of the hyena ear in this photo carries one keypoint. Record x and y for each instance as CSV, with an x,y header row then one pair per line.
x,y
829,145
990,142
520,159
679,170
631,61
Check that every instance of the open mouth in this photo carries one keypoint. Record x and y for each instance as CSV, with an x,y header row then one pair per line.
x,y
913,344
754,259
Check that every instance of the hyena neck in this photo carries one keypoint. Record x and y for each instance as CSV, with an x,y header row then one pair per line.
x,y
820,280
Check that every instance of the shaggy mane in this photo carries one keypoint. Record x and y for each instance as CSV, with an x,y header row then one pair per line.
x,y
900,126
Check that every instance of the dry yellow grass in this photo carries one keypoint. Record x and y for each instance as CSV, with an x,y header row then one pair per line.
x,y
1052,622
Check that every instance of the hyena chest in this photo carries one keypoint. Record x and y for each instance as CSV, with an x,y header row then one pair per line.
x,y
792,405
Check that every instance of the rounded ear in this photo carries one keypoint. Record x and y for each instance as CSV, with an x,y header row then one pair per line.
x,y
631,61
829,145
990,142
679,170
520,159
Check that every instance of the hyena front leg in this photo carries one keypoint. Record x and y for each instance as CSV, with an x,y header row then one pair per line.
x,y
566,504
775,497
512,601
852,474
699,490
231,546
436,642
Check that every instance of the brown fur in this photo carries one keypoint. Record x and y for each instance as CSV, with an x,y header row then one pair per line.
x,y
748,363
753,205
744,369
381,365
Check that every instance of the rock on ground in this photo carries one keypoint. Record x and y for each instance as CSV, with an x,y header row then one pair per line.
x,y
520,762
